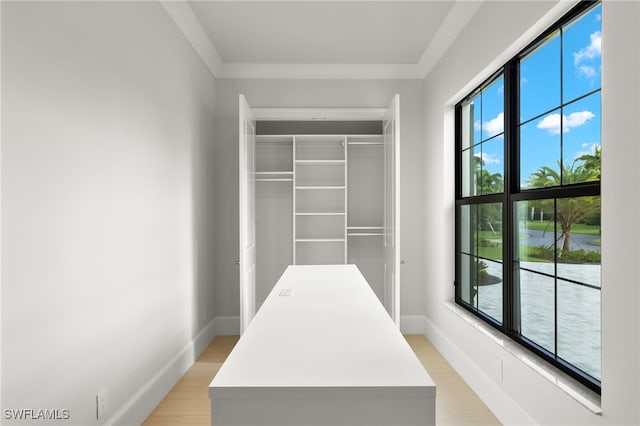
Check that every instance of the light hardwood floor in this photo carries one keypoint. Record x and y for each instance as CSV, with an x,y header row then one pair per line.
x,y
187,404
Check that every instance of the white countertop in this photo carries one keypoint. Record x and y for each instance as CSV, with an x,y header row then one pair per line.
x,y
330,332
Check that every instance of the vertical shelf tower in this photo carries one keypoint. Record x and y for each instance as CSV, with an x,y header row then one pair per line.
x,y
319,200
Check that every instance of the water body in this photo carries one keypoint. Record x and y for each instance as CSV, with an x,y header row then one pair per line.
x,y
536,238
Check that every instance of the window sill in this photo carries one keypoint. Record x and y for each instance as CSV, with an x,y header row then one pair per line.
x,y
586,397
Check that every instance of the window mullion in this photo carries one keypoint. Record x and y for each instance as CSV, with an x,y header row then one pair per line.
x,y
458,194
510,302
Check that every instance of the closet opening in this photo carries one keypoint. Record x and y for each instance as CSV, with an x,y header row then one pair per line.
x,y
318,191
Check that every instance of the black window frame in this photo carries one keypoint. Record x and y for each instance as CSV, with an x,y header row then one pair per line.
x,y
512,193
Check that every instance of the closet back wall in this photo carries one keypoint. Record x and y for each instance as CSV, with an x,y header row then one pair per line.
x,y
321,94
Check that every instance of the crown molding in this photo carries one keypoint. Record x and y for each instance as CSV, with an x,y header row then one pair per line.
x,y
320,71
183,16
457,19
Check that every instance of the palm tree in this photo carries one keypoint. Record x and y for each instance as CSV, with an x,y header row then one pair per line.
x,y
487,183
490,183
569,211
546,176
591,163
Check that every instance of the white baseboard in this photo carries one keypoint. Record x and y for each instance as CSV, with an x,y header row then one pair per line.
x,y
498,401
136,409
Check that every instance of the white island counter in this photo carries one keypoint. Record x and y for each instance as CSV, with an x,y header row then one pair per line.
x,y
322,350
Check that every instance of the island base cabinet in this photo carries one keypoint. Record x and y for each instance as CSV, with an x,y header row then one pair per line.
x,y
334,407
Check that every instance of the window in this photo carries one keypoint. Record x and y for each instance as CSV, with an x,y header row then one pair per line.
x,y
528,196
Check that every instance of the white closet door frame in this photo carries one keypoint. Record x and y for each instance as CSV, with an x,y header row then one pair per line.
x,y
247,182
391,122
391,226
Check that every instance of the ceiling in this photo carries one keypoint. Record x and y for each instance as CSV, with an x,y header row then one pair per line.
x,y
321,39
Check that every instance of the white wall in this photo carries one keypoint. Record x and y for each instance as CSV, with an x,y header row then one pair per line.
x,y
107,206
524,397
325,94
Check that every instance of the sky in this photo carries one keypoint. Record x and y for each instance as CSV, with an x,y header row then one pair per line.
x,y
552,77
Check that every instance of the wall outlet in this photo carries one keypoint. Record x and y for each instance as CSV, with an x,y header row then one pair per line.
x,y
101,403
498,368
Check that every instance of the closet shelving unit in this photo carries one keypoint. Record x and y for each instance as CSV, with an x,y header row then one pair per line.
x,y
320,200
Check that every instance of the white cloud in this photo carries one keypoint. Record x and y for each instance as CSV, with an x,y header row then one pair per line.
x,y
477,125
551,122
495,125
590,52
488,158
591,149
588,72
576,119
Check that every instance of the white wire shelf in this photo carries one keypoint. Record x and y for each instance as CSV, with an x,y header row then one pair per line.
x,y
320,213
320,240
320,187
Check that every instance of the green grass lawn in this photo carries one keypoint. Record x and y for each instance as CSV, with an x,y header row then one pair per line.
x,y
496,254
490,252
488,235
576,228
